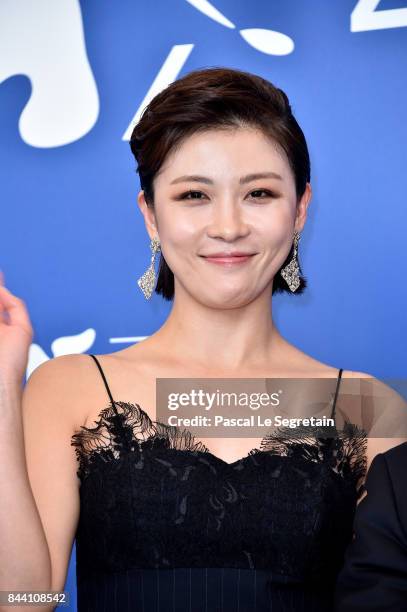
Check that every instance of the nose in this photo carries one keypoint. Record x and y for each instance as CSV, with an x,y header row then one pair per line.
x,y
227,220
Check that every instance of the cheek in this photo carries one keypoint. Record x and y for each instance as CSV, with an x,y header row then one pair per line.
x,y
276,227
178,240
178,231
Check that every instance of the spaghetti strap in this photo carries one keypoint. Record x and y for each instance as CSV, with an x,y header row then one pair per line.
x,y
105,381
336,393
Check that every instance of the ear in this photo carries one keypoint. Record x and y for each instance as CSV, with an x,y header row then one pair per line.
x,y
302,208
148,214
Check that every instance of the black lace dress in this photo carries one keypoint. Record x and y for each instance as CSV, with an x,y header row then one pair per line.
x,y
167,526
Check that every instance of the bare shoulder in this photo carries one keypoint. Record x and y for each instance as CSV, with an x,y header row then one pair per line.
x,y
63,381
375,388
354,374
54,369
54,375
386,410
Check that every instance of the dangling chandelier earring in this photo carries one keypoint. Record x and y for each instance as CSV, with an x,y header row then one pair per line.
x,y
146,282
291,272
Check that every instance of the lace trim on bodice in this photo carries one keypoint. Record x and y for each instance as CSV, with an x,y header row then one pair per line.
x,y
124,427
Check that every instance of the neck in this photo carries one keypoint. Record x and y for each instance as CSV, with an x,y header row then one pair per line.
x,y
221,339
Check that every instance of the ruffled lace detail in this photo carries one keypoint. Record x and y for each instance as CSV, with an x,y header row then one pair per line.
x,y
152,496
130,429
344,451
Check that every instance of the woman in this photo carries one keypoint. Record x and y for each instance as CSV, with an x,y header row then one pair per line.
x,y
164,521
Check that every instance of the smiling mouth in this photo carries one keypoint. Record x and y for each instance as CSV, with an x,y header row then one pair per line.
x,y
227,259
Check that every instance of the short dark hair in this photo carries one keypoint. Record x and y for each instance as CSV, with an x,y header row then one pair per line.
x,y
210,98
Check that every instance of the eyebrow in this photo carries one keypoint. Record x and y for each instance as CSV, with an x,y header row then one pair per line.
x,y
244,179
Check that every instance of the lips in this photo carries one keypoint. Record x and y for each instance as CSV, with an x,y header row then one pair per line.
x,y
228,258
229,254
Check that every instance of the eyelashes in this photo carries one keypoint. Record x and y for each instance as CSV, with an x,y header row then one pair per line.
x,y
271,194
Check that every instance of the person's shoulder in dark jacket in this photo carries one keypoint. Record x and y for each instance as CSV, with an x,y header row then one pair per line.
x,y
374,576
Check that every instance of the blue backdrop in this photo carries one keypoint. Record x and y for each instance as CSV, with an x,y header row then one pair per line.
x,y
75,76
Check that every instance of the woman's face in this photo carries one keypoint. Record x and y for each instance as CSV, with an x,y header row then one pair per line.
x,y
223,208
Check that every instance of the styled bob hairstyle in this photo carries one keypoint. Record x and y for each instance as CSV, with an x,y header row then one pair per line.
x,y
216,98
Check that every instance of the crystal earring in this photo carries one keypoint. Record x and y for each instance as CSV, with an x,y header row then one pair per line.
x,y
291,272
146,282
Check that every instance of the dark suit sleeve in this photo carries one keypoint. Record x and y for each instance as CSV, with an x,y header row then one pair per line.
x,y
374,576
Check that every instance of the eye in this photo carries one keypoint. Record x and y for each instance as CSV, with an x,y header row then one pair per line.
x,y
186,194
183,196
266,191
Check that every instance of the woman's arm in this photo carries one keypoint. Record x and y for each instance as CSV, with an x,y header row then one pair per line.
x,y
38,484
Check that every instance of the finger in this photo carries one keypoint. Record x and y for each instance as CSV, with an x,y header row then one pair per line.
x,y
15,309
2,283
